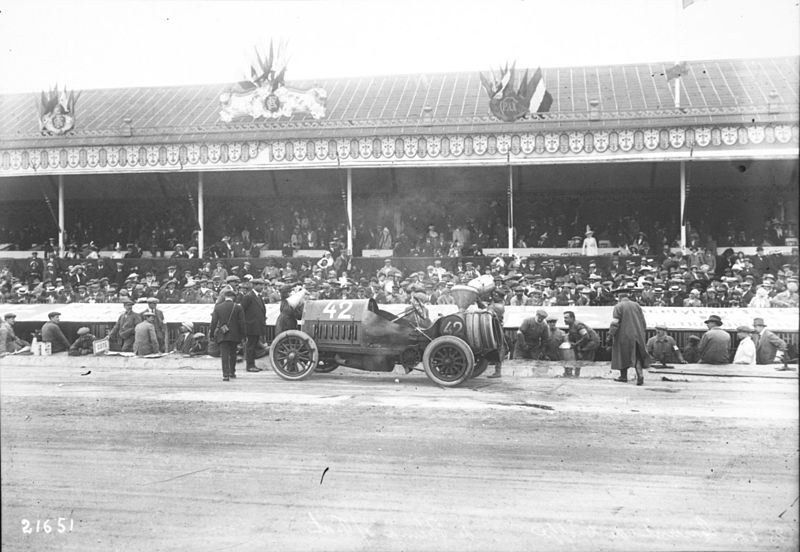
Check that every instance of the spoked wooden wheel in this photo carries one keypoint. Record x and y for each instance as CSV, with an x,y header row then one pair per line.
x,y
293,355
448,361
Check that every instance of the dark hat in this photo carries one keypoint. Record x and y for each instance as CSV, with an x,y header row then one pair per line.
x,y
257,281
52,314
128,302
715,319
9,315
759,322
541,313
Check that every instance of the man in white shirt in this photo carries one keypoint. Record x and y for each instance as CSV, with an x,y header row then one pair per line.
x,y
746,351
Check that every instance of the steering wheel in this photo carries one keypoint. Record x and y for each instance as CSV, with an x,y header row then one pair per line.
x,y
419,308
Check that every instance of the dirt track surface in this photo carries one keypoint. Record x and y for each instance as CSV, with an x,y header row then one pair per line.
x,y
175,459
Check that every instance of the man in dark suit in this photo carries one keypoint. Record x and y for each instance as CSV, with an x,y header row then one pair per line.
x,y
255,319
123,331
230,314
769,347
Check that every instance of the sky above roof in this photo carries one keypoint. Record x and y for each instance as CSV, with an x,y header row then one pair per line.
x,y
88,44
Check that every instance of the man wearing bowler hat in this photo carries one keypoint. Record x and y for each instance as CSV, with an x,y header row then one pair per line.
x,y
716,343
229,316
255,320
51,333
769,347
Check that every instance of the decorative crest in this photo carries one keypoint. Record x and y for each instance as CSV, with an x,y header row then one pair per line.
x,y
57,111
265,94
508,102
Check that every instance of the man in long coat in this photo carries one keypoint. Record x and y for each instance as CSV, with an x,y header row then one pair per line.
x,y
230,314
158,323
255,321
628,334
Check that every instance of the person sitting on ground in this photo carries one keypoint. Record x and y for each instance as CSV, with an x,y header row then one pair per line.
x,y
746,351
51,333
691,354
715,344
83,344
199,344
662,348
184,341
9,342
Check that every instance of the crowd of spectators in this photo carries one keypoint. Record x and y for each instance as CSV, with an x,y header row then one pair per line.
x,y
412,227
695,278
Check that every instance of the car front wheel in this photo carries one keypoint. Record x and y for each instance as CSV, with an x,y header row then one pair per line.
x,y
293,355
448,361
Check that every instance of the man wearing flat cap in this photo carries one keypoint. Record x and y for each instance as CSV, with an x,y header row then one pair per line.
x,y
145,340
9,342
51,333
715,344
255,320
770,348
123,333
746,350
532,337
662,347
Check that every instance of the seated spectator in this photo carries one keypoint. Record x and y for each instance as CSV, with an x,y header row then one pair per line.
x,y
145,340
715,343
769,347
51,333
83,345
662,348
691,353
185,340
9,342
746,351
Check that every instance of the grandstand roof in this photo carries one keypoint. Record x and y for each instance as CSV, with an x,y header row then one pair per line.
x,y
712,91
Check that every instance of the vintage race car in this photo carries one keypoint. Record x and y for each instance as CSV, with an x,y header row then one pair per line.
x,y
358,334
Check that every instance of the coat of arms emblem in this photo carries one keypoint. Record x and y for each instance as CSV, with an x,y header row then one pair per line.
x,y
266,96
57,111
508,102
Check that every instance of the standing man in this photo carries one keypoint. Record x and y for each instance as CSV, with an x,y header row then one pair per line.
x,y
255,320
228,315
769,347
158,323
51,333
532,337
125,327
145,341
716,343
662,347
584,340
627,333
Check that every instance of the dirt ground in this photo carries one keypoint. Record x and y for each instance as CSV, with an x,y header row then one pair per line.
x,y
172,458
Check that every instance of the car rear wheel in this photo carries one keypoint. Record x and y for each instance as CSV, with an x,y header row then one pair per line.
x,y
448,361
293,355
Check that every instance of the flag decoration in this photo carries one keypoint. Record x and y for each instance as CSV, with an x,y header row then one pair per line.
x,y
677,71
509,102
57,111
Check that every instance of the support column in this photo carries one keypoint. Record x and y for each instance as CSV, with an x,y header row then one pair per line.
x,y
683,205
200,235
350,211
510,210
61,214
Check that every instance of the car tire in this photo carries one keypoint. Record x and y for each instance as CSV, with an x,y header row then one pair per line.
x,y
448,361
293,355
